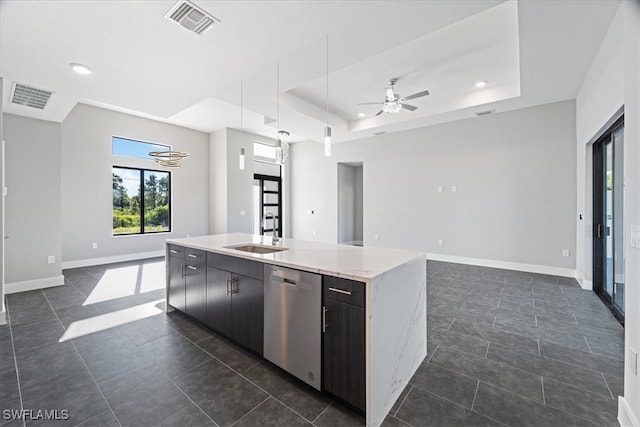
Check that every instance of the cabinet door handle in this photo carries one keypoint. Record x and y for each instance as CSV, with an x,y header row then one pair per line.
x,y
191,267
340,291
324,318
182,272
228,282
173,251
192,256
236,281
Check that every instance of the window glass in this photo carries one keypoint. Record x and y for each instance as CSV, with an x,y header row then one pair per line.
x,y
141,201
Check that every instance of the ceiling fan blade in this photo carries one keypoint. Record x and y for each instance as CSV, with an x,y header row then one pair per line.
x,y
417,95
409,107
370,103
379,112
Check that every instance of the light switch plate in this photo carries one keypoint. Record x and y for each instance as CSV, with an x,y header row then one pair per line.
x,y
635,236
51,259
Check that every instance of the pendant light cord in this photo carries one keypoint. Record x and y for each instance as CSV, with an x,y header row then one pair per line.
x,y
278,100
242,113
327,99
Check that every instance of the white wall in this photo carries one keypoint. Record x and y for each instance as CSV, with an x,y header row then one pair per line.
x,y
629,412
3,316
218,181
231,202
359,213
33,202
346,203
515,177
87,186
600,96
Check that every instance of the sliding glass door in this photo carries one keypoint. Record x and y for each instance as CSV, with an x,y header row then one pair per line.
x,y
608,216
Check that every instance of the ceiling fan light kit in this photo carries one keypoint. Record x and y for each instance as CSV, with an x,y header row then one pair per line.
x,y
393,102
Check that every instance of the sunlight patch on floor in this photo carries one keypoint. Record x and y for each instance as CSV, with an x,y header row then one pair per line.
x,y
153,276
126,281
102,322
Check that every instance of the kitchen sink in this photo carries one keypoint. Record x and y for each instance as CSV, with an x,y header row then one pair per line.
x,y
257,249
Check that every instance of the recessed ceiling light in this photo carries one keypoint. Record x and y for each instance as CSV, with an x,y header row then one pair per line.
x,y
361,115
481,83
80,69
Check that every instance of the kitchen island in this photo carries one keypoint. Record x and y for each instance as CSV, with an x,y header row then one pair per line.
x,y
373,307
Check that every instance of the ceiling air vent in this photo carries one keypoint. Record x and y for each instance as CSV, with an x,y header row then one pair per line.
x,y
191,17
30,96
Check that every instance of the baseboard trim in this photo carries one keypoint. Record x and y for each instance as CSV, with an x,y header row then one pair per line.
x,y
530,268
584,283
111,259
3,317
626,417
30,285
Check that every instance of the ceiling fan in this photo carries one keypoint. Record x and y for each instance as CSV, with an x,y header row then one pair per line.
x,y
393,102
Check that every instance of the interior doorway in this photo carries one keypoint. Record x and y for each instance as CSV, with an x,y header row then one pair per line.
x,y
608,218
350,204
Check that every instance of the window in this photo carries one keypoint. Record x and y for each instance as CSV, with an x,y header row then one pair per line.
x,y
132,148
141,201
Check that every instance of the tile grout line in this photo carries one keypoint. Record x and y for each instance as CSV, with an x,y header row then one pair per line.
x,y
320,414
403,400
607,384
585,340
85,364
539,352
486,353
544,400
241,375
475,395
245,415
191,400
15,361
434,352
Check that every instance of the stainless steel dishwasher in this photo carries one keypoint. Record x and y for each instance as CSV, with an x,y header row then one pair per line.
x,y
292,326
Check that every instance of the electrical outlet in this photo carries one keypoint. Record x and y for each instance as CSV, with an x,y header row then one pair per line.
x,y
376,237
440,242
454,188
51,259
565,252
243,213
440,189
94,245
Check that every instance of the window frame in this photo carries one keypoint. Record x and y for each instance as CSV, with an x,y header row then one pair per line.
x,y
142,231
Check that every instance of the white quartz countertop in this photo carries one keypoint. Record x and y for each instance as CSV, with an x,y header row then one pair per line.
x,y
351,262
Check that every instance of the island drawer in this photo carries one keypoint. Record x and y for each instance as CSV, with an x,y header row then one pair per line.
x,y
343,290
195,257
243,267
176,251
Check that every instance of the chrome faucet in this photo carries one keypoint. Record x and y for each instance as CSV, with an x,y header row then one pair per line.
x,y
268,215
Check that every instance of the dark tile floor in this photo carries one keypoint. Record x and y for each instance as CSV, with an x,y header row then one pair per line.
x,y
504,348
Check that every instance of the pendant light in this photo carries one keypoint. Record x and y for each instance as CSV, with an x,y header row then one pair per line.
x,y
241,126
327,129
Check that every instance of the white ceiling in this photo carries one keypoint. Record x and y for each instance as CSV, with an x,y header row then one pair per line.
x,y
530,52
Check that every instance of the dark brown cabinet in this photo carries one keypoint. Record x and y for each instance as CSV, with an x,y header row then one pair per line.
x,y
186,272
195,284
235,299
343,368
175,276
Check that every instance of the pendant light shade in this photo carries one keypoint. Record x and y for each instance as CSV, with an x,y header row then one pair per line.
x,y
241,159
327,141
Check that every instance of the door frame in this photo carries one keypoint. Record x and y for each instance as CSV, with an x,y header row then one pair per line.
x,y
599,222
